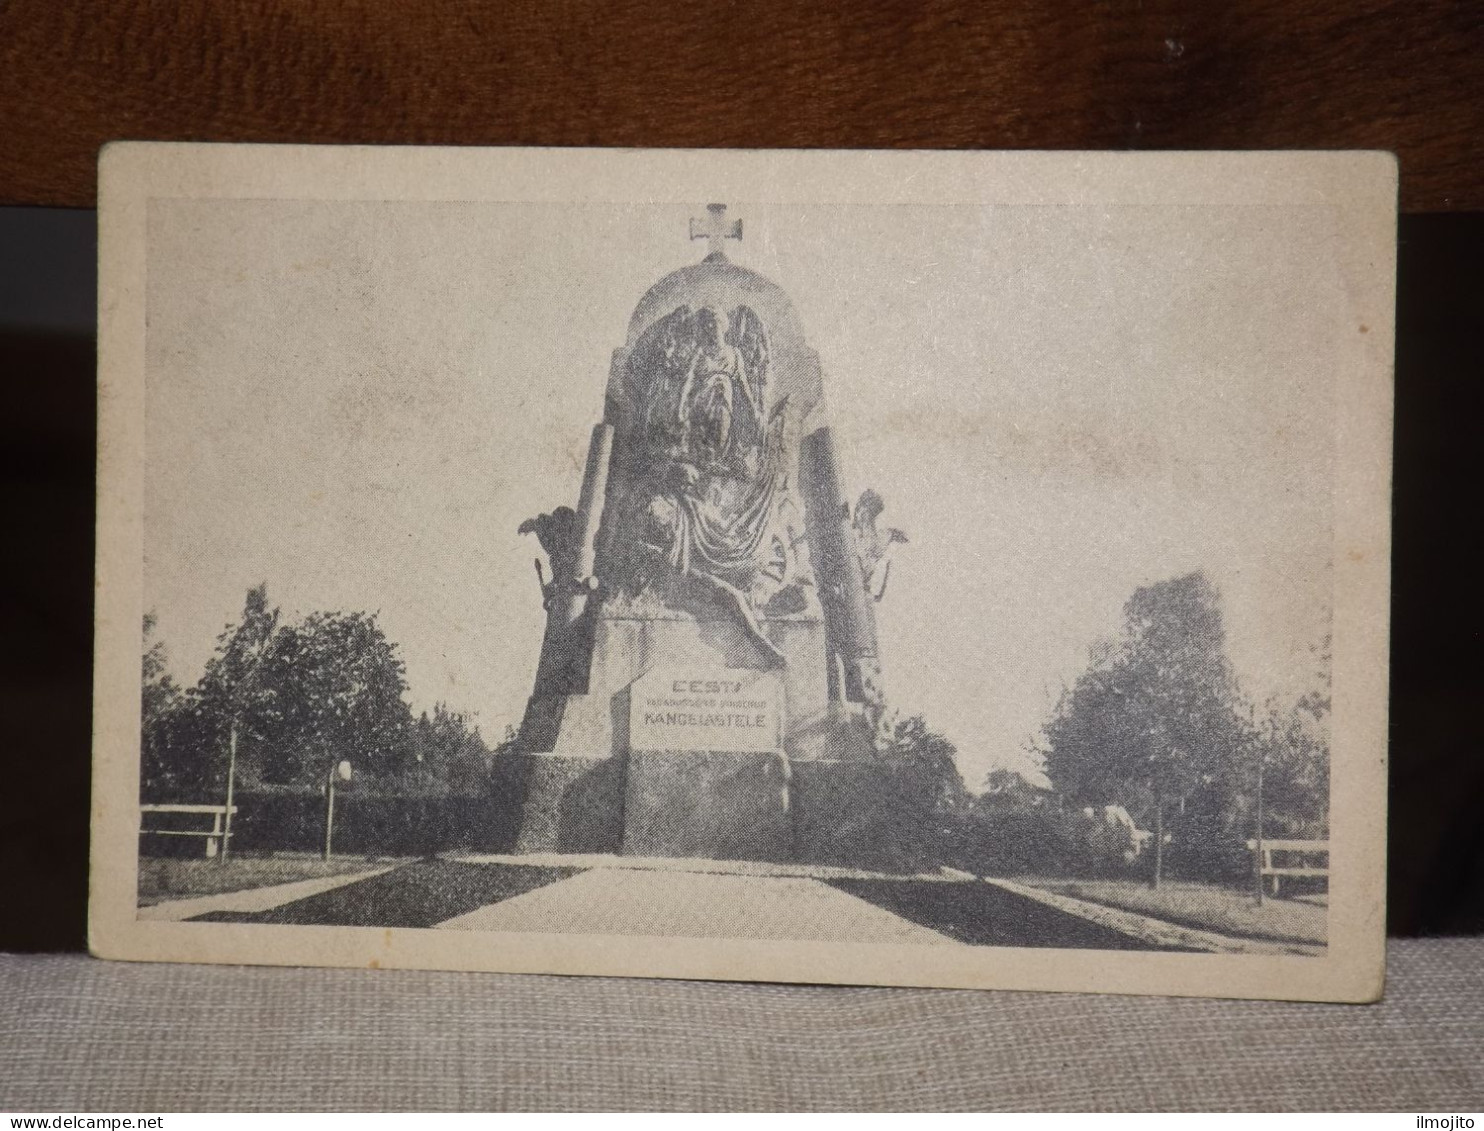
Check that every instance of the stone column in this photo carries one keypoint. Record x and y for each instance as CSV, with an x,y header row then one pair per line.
x,y
850,622
566,648
576,589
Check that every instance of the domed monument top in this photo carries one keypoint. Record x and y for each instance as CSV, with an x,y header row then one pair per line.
x,y
719,283
709,621
714,308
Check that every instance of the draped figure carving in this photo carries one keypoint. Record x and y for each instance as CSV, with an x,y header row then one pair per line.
x,y
706,462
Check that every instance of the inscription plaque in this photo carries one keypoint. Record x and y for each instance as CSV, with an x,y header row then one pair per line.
x,y
690,708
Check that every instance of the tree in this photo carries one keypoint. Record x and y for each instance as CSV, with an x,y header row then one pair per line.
x,y
1157,716
232,704
930,793
914,744
229,682
232,690
448,754
1296,758
187,735
160,700
331,688
289,701
160,693
1011,785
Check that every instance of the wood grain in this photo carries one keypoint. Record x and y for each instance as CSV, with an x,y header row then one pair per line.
x,y
1405,76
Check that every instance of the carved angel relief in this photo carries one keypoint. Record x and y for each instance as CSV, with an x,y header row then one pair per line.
x,y
708,473
557,534
874,543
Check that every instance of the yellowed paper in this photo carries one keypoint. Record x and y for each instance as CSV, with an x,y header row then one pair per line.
x,y
902,568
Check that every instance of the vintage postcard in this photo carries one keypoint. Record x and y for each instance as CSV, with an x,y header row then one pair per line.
x,y
937,569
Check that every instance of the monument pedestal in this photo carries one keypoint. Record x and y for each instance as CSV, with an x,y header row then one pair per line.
x,y
715,804
692,757
707,772
558,803
627,648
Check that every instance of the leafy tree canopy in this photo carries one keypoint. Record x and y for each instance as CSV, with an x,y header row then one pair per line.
x,y
1158,720
916,745
1158,711
300,697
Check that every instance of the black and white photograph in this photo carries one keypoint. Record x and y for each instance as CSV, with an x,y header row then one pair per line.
x,y
917,569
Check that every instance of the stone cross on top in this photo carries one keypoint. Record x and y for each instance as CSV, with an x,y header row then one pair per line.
x,y
716,229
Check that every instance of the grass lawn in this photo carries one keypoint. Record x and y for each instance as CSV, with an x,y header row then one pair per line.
x,y
163,879
1204,906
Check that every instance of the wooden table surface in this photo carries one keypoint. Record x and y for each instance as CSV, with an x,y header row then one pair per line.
x,y
1143,74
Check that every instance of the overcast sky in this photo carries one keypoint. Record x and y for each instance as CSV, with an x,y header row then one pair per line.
x,y
359,403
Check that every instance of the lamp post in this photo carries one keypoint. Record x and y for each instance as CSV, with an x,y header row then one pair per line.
x,y
341,771
232,749
231,786
1257,838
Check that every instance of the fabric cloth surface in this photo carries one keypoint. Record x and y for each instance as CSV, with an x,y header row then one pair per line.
x,y
77,1035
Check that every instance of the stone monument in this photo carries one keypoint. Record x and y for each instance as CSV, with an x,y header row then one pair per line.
x,y
709,682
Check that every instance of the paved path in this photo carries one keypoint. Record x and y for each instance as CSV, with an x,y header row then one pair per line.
x,y
690,864
607,895
1156,932
251,900
696,905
